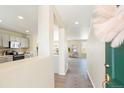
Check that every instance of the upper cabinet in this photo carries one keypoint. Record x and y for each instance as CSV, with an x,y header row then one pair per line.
x,y
5,40
24,43
12,38
15,38
0,40
18,39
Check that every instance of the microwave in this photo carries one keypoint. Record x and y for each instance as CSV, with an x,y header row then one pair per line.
x,y
14,44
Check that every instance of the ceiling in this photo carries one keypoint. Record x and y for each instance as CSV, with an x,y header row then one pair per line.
x,y
68,13
10,21
72,13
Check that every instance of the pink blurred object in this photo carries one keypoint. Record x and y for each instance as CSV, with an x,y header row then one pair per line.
x,y
108,24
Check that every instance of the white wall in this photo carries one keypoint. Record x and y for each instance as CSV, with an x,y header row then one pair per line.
x,y
96,60
60,38
45,30
61,60
84,46
56,63
63,54
34,72
56,33
78,35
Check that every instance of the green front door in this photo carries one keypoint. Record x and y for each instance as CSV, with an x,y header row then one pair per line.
x,y
115,66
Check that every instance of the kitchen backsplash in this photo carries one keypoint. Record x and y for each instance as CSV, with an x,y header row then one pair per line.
x,y
23,50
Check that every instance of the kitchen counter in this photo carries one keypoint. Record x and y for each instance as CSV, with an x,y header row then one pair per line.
x,y
6,58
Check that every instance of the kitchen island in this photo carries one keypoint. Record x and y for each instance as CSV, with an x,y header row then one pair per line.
x,y
33,72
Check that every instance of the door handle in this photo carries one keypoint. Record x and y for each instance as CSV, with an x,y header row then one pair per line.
x,y
107,65
107,79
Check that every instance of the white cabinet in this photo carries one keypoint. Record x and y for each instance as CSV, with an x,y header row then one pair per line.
x,y
12,38
18,39
15,38
0,40
5,40
24,43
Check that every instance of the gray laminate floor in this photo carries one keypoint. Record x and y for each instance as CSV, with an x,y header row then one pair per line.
x,y
76,76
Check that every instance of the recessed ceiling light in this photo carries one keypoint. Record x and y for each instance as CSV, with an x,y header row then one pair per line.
x,y
0,20
20,17
27,31
76,22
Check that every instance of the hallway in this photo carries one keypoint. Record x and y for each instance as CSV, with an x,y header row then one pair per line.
x,y
76,76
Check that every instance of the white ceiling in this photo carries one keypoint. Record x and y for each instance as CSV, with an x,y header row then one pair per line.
x,y
72,13
9,13
68,13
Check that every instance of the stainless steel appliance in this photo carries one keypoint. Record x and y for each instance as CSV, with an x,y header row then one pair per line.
x,y
15,54
18,57
14,44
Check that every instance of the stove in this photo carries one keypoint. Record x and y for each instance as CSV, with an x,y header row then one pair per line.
x,y
18,57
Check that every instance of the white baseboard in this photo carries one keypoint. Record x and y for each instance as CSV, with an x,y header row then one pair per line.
x,y
63,74
66,70
90,79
